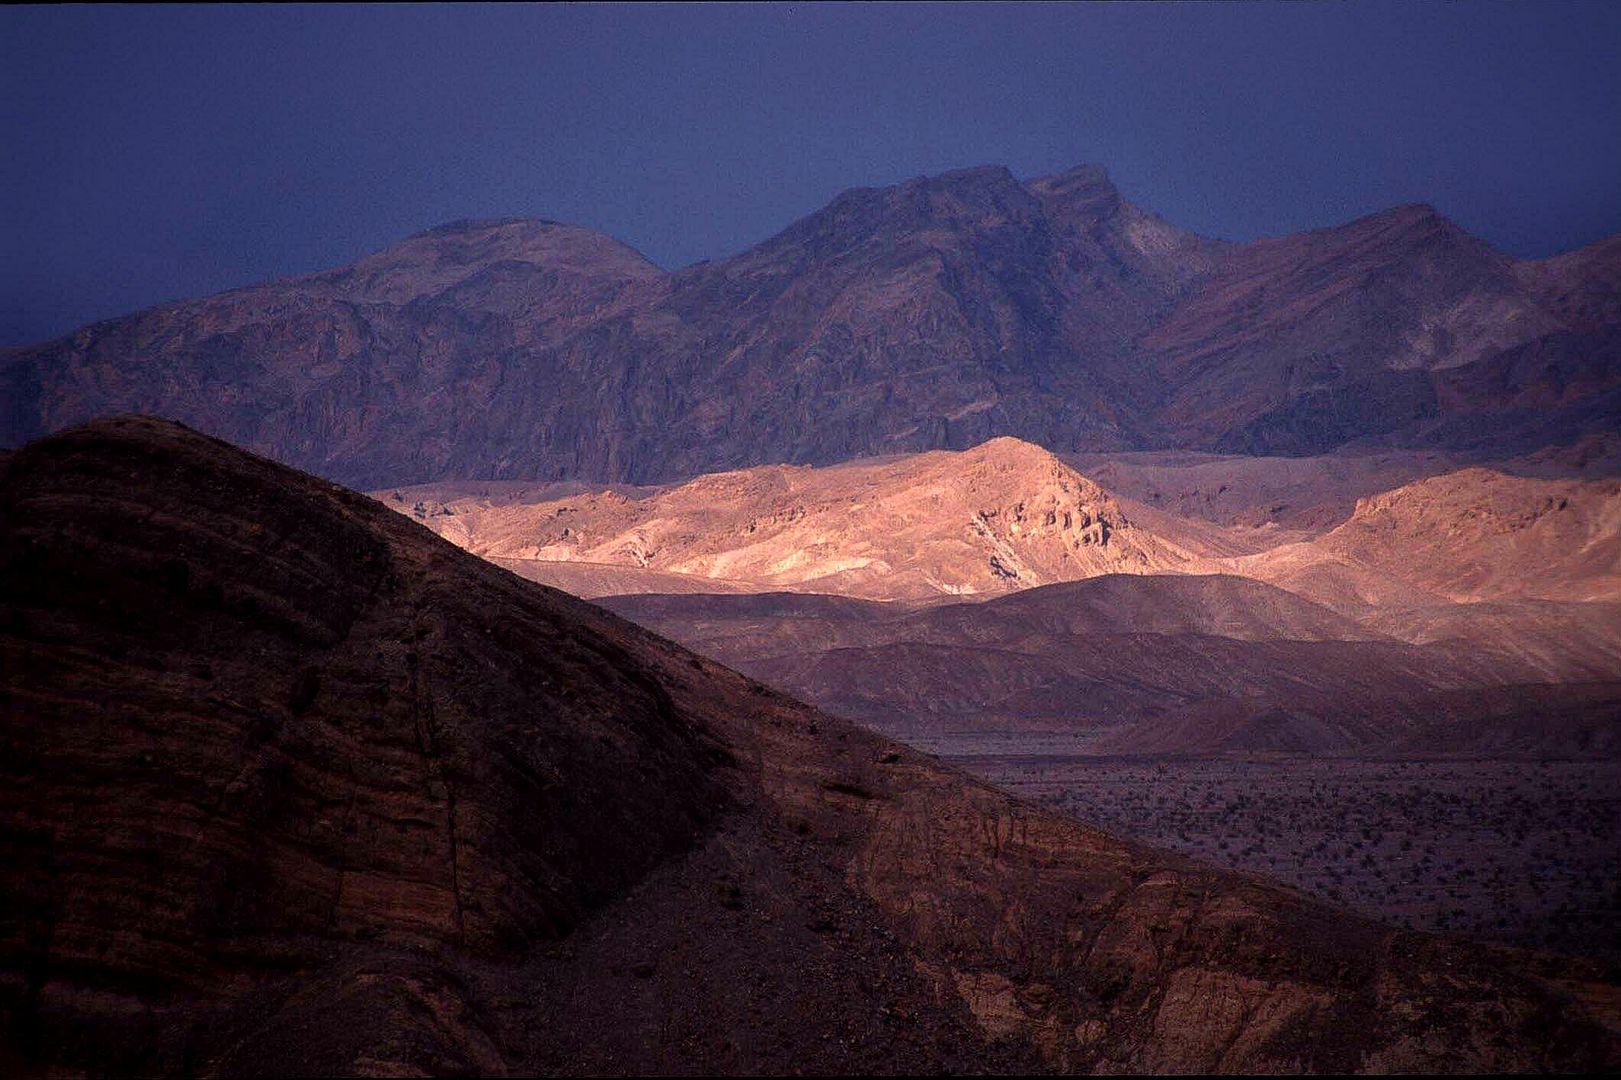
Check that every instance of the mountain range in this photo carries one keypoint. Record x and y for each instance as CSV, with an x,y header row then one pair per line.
x,y
567,747
936,313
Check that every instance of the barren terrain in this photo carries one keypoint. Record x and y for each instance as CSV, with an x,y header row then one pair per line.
x,y
294,786
1004,516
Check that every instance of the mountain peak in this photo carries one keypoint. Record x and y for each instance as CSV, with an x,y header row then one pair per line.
x,y
1411,218
446,256
1085,189
973,176
1010,451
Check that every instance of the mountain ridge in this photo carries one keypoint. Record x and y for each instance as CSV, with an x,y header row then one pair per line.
x,y
931,314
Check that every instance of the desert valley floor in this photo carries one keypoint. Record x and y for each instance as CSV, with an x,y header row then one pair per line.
x,y
1516,851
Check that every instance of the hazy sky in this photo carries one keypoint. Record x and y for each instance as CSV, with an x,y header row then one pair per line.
x,y
150,154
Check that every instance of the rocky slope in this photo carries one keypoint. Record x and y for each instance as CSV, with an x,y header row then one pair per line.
x,y
1309,341
292,786
1006,515
936,313
1311,494
401,364
1304,494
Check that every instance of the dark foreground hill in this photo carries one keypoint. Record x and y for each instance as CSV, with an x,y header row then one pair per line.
x,y
292,785
936,313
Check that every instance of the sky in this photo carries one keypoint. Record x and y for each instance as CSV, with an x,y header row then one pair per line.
x,y
150,154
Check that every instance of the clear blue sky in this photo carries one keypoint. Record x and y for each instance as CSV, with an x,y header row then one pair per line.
x,y
155,153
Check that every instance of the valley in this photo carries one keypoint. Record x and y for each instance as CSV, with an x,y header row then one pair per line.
x,y
1246,619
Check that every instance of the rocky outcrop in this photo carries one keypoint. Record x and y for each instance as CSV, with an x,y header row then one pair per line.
x,y
1466,536
1005,515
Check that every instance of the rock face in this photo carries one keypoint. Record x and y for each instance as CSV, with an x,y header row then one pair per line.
x,y
293,786
1006,515
937,313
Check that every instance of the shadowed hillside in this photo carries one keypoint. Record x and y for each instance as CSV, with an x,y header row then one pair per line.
x,y
1172,664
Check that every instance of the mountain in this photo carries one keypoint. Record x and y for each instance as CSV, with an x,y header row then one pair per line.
x,y
1562,641
1005,515
1309,341
401,364
1306,494
1311,494
294,786
936,313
